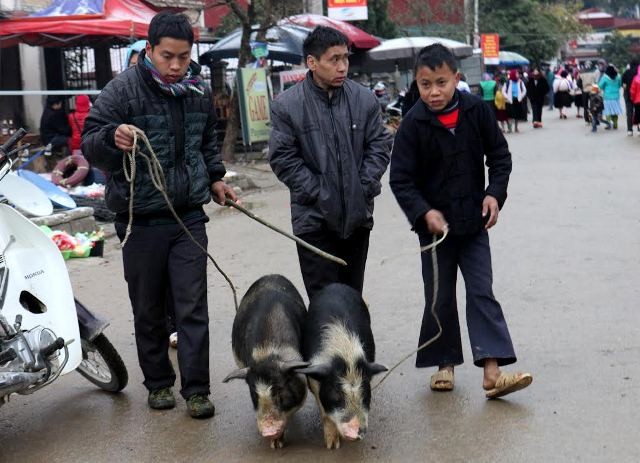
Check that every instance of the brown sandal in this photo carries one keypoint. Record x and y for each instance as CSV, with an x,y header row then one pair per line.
x,y
508,383
442,380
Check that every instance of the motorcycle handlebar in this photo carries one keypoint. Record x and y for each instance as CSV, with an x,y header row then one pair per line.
x,y
15,138
51,348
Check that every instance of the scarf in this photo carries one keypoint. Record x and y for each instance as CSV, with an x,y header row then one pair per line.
x,y
188,82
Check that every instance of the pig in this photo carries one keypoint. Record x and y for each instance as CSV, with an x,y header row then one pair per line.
x,y
266,342
338,341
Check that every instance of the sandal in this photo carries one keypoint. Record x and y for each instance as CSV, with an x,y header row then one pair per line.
x,y
442,380
508,383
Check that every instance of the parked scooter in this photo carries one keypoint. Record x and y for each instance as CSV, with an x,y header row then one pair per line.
x,y
44,331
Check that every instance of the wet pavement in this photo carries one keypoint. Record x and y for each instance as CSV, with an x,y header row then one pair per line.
x,y
566,257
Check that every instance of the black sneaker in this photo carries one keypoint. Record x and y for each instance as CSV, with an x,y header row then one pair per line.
x,y
199,406
161,399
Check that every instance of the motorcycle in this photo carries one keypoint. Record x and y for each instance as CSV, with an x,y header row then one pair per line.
x,y
51,333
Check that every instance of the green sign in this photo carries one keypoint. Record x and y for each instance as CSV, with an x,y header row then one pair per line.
x,y
254,105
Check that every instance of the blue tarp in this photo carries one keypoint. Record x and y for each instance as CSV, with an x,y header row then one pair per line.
x,y
72,8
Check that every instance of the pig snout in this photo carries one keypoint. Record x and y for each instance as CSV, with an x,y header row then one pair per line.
x,y
351,430
271,428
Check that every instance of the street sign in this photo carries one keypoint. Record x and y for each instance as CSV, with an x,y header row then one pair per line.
x,y
490,44
347,10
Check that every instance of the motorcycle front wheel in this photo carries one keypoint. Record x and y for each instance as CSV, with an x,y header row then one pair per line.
x,y
102,365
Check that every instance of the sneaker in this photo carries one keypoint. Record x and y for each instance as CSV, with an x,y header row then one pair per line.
x,y
161,399
173,340
630,133
199,406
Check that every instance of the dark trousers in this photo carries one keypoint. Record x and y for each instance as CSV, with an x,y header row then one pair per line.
x,y
318,272
487,327
536,109
628,106
156,257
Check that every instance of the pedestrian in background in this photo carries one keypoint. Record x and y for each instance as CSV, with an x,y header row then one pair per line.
x,y
628,76
76,121
634,95
537,89
577,92
562,88
596,106
329,147
54,126
610,84
488,88
164,96
437,176
514,92
500,103
551,76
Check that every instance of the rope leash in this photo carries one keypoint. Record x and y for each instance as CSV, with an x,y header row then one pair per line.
x,y
301,242
436,280
159,182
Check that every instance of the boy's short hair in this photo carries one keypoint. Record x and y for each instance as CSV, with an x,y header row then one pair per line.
x,y
321,39
434,56
167,24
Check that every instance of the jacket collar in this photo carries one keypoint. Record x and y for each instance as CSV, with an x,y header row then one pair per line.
x,y
465,102
320,92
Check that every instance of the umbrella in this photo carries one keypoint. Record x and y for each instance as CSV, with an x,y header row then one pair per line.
x,y
284,43
403,52
357,37
511,58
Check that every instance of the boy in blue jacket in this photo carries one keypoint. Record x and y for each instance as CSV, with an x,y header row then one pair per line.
x,y
437,176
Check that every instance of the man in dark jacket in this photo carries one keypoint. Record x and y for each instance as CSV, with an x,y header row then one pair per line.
x,y
437,176
164,96
328,145
537,89
54,126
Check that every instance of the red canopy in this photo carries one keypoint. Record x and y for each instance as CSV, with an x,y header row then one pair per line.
x,y
357,37
121,18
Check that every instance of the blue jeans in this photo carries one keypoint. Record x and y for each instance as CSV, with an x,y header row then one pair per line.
x,y
595,122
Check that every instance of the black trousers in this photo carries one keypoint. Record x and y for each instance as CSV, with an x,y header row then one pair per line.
x,y
487,327
318,272
628,106
536,109
156,257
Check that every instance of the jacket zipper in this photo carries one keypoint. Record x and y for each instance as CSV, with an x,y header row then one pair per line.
x,y
339,156
181,198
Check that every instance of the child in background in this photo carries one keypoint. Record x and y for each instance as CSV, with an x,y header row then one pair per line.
x,y
596,106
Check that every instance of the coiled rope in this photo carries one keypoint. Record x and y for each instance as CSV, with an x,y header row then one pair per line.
x,y
159,182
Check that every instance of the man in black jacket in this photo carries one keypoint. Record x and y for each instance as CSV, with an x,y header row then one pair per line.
x,y
164,96
437,176
54,125
328,145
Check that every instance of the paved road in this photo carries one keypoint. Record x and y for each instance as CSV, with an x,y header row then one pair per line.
x,y
566,258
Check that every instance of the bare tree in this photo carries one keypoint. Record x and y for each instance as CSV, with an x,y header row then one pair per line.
x,y
259,15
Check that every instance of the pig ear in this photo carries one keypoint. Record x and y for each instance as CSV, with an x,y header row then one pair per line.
x,y
316,371
294,365
236,374
376,368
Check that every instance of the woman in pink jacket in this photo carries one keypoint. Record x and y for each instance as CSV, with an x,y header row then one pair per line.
x,y
634,92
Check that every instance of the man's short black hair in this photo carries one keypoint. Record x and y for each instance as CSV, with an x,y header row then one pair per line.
x,y
167,24
434,56
321,39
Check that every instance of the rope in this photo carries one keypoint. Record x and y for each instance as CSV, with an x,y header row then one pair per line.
x,y
301,242
436,280
159,182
